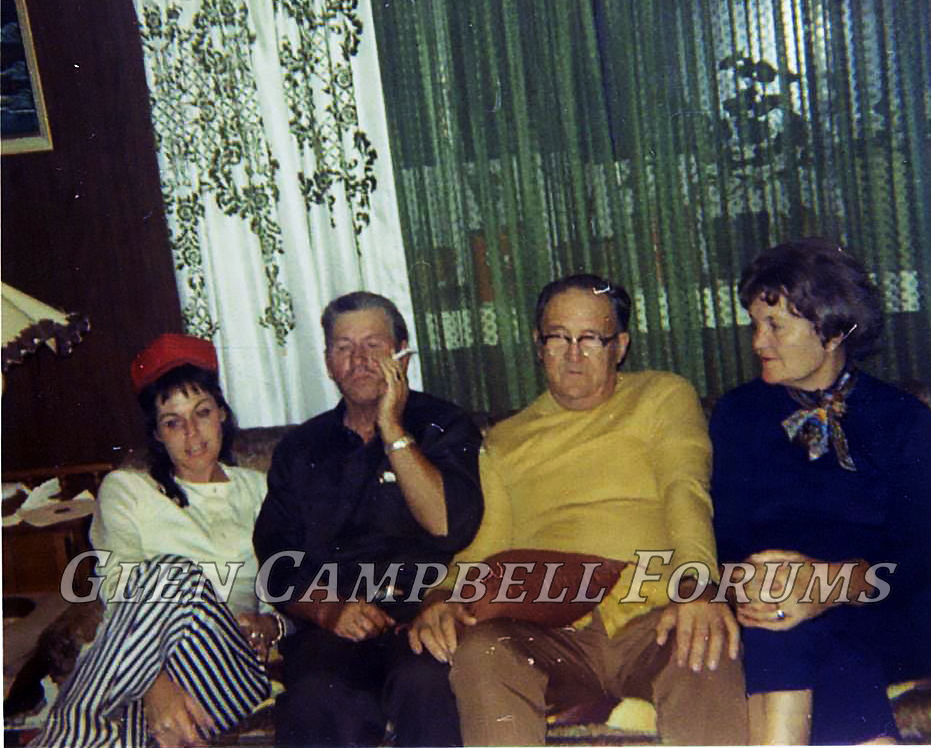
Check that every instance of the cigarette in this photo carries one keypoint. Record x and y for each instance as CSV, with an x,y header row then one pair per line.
x,y
403,352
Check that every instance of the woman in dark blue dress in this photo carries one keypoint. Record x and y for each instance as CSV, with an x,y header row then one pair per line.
x,y
821,469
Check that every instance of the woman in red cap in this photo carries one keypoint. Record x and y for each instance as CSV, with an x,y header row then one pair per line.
x,y
185,664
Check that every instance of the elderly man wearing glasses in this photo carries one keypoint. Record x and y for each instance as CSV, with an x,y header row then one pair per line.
x,y
614,466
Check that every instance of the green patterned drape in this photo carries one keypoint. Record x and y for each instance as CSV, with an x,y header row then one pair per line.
x,y
270,150
211,137
662,144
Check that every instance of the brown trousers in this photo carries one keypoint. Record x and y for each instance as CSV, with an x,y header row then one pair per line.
x,y
507,675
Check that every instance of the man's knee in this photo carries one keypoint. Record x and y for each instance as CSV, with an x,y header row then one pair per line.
x,y
316,711
704,708
311,684
488,655
420,703
480,649
420,674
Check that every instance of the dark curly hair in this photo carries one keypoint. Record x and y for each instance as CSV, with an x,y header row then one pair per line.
x,y
184,378
824,284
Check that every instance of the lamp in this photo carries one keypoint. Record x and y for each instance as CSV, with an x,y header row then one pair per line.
x,y
28,323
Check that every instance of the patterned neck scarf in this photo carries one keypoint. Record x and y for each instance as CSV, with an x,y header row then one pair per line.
x,y
818,420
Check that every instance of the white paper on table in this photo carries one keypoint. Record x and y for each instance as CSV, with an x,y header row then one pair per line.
x,y
39,498
11,489
59,511
41,495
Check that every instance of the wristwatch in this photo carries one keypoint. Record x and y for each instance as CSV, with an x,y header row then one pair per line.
x,y
403,443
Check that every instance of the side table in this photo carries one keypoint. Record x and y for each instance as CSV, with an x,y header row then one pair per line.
x,y
34,558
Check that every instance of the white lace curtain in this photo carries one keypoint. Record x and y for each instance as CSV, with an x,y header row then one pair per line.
x,y
273,150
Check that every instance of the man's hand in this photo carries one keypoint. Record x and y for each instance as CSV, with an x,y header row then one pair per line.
x,y
419,479
703,628
391,405
173,716
355,620
790,612
435,629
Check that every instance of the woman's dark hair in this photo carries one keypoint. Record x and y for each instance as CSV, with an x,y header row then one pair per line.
x,y
184,378
822,283
357,301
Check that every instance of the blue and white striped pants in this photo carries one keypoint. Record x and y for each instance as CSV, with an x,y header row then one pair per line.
x,y
193,637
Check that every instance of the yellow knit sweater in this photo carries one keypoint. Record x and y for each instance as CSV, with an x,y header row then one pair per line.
x,y
630,475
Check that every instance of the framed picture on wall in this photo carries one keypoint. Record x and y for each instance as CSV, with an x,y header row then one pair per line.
x,y
23,119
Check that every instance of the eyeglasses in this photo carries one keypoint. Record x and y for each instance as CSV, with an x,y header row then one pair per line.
x,y
556,344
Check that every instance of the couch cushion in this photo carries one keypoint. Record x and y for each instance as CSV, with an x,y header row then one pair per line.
x,y
254,447
522,601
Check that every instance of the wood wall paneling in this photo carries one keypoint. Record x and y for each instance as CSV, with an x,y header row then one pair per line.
x,y
84,230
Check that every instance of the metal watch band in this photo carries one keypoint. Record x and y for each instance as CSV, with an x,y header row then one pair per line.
x,y
402,443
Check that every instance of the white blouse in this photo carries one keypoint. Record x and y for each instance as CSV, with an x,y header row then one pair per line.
x,y
135,521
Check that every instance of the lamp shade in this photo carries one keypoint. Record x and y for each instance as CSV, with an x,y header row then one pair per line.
x,y
28,323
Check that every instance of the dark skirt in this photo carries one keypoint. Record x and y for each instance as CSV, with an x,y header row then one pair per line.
x,y
839,656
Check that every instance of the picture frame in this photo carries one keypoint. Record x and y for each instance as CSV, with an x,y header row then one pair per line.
x,y
24,124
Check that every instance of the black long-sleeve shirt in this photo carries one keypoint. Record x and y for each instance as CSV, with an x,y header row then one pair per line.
x,y
336,499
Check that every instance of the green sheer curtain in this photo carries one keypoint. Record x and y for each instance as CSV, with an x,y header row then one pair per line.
x,y
661,144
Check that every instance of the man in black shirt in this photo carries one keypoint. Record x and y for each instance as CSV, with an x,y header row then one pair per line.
x,y
388,479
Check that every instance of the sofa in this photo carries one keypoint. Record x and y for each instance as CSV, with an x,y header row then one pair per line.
x,y
606,722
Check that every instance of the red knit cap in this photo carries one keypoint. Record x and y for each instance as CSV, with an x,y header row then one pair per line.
x,y
168,351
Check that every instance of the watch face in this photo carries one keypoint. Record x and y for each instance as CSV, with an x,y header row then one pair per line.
x,y
401,443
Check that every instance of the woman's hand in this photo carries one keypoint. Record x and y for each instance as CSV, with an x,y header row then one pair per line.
x,y
259,630
173,716
793,574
